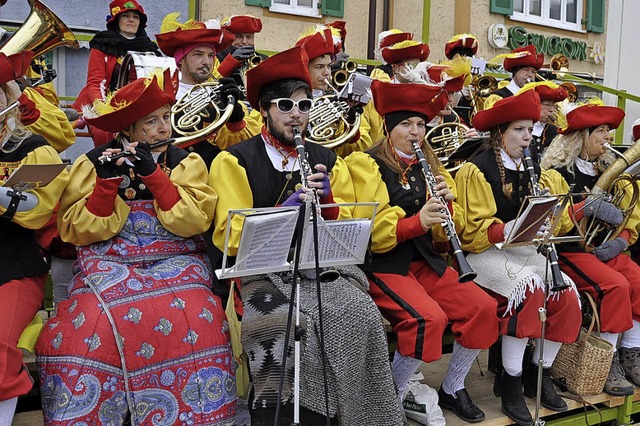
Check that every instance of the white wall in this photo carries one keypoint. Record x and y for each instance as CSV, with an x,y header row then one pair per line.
x,y
622,61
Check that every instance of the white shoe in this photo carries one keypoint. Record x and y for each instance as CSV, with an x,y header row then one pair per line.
x,y
421,404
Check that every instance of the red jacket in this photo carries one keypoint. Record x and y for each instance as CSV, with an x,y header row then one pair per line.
x,y
99,69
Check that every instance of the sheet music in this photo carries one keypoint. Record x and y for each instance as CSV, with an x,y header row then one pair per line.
x,y
531,219
266,240
339,242
358,89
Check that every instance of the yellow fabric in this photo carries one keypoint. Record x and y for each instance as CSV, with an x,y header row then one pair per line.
x,y
48,196
371,130
189,216
48,90
30,334
369,186
229,179
476,199
557,185
491,99
226,137
379,74
240,356
52,124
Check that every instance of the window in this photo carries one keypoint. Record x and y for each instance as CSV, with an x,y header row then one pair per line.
x,y
565,14
296,7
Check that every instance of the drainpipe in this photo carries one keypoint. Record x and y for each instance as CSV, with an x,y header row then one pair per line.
x,y
371,42
385,16
426,18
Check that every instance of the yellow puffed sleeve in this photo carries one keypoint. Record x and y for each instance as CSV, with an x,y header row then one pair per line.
x,y
228,135
457,216
230,182
558,185
193,214
371,130
369,186
52,124
48,196
379,74
342,187
476,200
76,224
491,99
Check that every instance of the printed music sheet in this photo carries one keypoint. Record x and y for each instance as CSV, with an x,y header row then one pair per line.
x,y
529,221
340,242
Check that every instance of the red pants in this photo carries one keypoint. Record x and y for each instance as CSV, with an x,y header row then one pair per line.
x,y
20,301
563,316
614,285
420,305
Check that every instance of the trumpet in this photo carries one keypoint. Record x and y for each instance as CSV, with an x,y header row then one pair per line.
x,y
465,273
548,250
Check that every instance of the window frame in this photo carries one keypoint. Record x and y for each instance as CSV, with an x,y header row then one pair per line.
x,y
546,21
294,9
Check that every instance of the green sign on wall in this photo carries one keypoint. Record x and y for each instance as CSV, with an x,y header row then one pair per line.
x,y
550,45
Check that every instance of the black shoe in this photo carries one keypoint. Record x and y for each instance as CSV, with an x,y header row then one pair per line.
x,y
513,403
550,399
461,404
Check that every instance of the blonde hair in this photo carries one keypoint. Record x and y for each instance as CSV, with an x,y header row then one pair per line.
x,y
564,149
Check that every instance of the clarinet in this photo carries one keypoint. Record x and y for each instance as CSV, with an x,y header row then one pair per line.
x,y
465,273
549,250
103,159
325,274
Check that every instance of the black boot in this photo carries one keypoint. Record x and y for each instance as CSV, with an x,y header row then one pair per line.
x,y
550,399
513,403
461,404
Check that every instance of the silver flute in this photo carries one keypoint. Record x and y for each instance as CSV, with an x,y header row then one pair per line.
x,y
465,273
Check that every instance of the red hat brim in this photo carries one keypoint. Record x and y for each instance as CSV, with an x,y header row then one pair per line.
x,y
116,8
243,24
525,106
14,66
418,51
546,93
392,39
318,44
424,99
292,63
530,58
170,41
466,42
588,116
141,101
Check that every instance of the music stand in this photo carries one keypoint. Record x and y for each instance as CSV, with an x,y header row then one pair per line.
x,y
25,178
342,242
524,232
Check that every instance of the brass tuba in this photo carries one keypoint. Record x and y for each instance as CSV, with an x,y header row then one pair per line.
x,y
41,32
199,112
481,87
617,182
328,123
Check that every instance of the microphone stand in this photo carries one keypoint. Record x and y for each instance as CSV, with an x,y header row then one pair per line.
x,y
314,204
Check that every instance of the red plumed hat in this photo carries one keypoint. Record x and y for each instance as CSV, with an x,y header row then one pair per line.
x,y
523,106
589,115
405,50
116,7
527,56
243,24
424,99
460,41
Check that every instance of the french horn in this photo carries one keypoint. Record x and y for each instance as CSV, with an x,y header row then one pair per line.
x,y
446,138
623,189
328,121
200,112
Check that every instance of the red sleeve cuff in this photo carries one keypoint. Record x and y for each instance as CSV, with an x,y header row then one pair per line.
x,y
102,200
408,228
237,126
29,113
330,213
495,233
163,190
576,212
228,65
626,234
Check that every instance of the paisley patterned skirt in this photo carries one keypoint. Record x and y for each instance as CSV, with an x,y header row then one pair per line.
x,y
142,337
